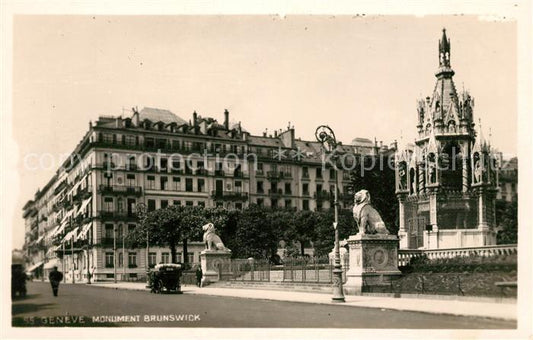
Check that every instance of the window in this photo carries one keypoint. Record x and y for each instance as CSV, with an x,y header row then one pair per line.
x,y
120,259
108,231
108,204
151,182
163,182
305,172
109,260
165,257
176,183
149,142
260,188
273,202
332,174
260,202
288,188
163,164
120,205
132,163
305,204
164,204
161,143
131,228
130,140
189,203
288,203
305,188
318,172
238,186
319,188
176,202
201,204
176,164
178,257
108,138
132,260
151,205
188,184
130,180
201,185
175,144
190,257
260,167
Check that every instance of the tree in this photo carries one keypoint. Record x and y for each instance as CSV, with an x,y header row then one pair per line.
x,y
255,236
324,240
300,227
507,221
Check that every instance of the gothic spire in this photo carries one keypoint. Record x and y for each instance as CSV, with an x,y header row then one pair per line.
x,y
444,56
444,50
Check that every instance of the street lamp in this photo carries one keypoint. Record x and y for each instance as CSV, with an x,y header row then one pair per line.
x,y
115,253
325,135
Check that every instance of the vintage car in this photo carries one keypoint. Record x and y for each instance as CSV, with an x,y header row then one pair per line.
x,y
165,277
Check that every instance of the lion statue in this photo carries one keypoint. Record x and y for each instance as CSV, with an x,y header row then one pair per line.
x,y
211,240
367,218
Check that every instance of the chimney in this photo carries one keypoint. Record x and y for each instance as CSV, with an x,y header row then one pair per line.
x,y
226,119
276,133
265,133
195,122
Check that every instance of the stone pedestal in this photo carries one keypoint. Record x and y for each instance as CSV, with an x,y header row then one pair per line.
x,y
373,262
216,266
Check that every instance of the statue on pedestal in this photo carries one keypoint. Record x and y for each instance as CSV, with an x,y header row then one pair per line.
x,y
211,240
367,218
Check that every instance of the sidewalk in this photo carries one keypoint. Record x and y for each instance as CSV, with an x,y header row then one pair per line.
x,y
452,307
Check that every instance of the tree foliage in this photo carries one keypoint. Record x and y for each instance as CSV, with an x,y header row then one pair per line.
x,y
507,221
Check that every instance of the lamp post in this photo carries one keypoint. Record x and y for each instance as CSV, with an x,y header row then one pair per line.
x,y
325,135
115,253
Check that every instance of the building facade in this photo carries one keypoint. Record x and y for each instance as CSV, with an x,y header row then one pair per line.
x,y
447,183
79,220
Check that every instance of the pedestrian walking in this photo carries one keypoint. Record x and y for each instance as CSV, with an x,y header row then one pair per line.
x,y
199,275
55,277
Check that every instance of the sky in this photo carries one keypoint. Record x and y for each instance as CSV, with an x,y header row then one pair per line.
x,y
362,75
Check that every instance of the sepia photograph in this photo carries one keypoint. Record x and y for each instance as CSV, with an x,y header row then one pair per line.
x,y
294,172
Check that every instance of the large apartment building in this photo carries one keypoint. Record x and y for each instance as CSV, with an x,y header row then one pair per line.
x,y
156,158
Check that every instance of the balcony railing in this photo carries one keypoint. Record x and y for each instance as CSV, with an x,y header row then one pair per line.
x,y
275,192
279,174
120,189
202,172
117,215
322,195
219,173
229,195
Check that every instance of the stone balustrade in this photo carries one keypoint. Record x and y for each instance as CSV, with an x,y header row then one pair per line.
x,y
405,255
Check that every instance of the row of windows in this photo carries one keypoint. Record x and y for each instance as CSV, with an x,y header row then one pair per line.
x,y
165,258
110,259
167,144
165,203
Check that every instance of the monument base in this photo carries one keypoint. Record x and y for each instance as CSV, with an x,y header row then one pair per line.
x,y
373,262
216,266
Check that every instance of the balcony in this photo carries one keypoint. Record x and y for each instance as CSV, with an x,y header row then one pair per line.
x,y
275,192
229,195
82,194
259,173
120,190
117,215
202,172
305,175
219,173
322,195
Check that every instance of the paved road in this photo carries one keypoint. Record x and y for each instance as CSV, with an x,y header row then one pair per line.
x,y
96,306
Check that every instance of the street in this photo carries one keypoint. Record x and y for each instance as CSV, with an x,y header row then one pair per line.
x,y
83,305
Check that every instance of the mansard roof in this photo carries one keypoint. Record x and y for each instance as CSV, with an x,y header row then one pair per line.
x,y
160,115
